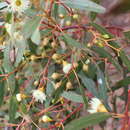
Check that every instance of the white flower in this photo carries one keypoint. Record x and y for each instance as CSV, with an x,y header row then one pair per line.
x,y
39,95
19,5
96,106
66,67
19,97
46,118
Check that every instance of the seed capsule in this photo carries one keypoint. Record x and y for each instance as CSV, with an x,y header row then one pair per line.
x,y
85,67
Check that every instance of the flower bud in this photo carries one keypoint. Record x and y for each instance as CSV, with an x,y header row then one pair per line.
x,y
85,67
69,85
66,67
59,61
43,54
36,83
33,57
46,118
61,16
75,64
58,84
53,44
20,96
75,16
55,76
106,36
45,41
56,56
68,23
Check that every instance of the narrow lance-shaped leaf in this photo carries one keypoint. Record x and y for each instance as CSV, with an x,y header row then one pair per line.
x,y
122,83
72,96
21,46
13,109
89,84
102,87
36,37
7,62
70,41
2,89
85,5
86,121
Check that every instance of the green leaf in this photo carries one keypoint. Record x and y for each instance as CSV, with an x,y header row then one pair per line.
x,y
86,121
122,83
104,54
88,83
36,38
31,25
102,87
127,34
55,11
72,96
125,59
23,108
13,108
21,45
50,84
2,89
6,62
84,5
71,41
